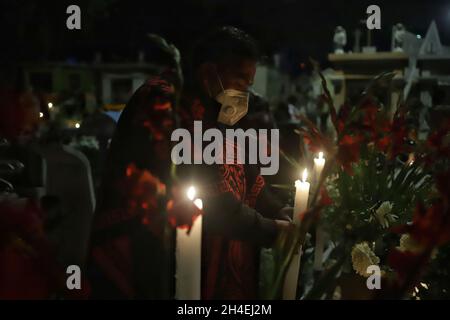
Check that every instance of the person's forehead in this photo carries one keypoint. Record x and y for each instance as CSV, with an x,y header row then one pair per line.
x,y
242,69
242,66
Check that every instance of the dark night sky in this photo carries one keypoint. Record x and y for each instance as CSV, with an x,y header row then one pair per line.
x,y
35,30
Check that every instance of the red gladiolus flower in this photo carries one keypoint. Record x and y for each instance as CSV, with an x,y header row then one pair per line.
x,y
408,264
325,199
398,134
430,227
314,138
143,191
342,118
349,152
182,214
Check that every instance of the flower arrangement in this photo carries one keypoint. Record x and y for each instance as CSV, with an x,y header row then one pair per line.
x,y
382,199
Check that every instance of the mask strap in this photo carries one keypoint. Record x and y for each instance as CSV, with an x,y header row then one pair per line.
x,y
209,90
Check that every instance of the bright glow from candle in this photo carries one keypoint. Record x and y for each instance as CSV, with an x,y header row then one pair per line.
x,y
304,175
198,203
191,192
50,105
321,155
41,115
77,125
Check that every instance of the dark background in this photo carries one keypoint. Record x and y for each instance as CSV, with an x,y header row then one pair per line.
x,y
36,30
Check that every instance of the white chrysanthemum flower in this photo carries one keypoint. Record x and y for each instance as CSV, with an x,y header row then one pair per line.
x,y
362,258
383,214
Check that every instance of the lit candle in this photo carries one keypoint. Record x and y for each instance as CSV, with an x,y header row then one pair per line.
x,y
191,192
319,164
300,205
188,256
301,196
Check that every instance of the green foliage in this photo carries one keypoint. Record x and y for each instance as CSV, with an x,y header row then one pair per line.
x,y
357,197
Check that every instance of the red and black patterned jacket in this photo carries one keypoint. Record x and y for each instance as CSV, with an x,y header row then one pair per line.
x,y
238,214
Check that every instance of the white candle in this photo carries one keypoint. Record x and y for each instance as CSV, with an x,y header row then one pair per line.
x,y
319,164
300,205
301,196
188,256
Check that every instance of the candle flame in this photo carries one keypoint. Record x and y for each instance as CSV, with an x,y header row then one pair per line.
x,y
321,155
191,192
304,175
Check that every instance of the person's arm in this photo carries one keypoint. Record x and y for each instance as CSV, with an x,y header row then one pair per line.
x,y
262,197
268,204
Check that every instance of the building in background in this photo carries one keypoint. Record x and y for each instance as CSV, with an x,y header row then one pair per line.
x,y
72,90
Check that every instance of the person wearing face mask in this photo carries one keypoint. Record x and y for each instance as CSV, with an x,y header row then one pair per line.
x,y
239,215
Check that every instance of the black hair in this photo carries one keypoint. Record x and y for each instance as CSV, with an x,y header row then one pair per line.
x,y
224,44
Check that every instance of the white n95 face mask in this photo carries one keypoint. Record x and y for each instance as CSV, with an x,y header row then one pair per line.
x,y
234,105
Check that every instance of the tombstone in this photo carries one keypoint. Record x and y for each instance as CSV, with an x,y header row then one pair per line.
x,y
432,43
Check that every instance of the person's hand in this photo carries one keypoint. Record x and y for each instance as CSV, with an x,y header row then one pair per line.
x,y
283,225
287,235
286,214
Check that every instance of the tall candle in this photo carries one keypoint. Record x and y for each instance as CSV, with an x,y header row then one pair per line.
x,y
301,196
188,256
319,164
300,205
